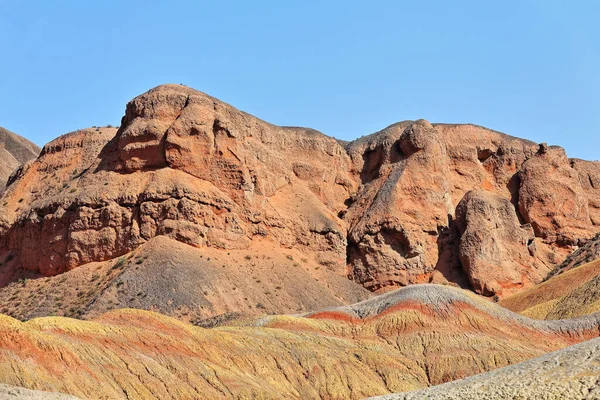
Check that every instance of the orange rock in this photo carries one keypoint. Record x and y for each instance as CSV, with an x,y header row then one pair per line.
x,y
380,210
496,251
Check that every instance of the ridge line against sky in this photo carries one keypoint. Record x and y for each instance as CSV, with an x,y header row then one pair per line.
x,y
525,68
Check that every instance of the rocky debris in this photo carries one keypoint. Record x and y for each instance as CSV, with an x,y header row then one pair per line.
x,y
14,151
496,251
409,339
572,373
185,282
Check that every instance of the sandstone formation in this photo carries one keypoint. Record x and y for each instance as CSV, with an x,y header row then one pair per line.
x,y
571,373
552,199
182,165
404,340
380,210
401,207
402,226
496,251
14,151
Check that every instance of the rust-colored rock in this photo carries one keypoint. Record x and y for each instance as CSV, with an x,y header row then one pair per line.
x,y
552,200
496,251
183,165
381,210
401,207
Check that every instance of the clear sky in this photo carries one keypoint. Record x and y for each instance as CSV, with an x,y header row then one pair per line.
x,y
347,68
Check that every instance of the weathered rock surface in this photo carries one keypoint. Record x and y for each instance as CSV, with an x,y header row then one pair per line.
x,y
381,210
568,374
402,206
496,251
182,165
404,340
553,200
14,151
402,226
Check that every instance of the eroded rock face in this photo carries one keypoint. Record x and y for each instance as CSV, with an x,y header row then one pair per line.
x,y
402,205
402,226
183,165
380,211
552,199
496,251
589,178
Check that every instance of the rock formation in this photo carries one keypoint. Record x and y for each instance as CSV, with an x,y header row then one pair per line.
x,y
182,165
381,210
552,199
402,222
404,340
496,251
14,151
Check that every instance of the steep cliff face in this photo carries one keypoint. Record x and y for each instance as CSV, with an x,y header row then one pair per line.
x,y
381,211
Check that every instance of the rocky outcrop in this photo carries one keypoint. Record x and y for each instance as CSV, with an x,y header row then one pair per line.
x,y
14,151
552,199
589,178
186,166
380,210
402,222
402,206
496,251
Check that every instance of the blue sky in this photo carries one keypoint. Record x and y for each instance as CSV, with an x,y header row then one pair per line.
x,y
346,68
